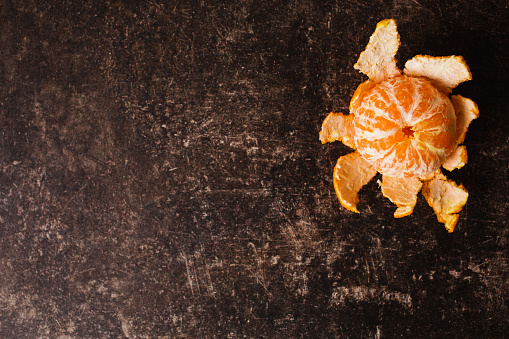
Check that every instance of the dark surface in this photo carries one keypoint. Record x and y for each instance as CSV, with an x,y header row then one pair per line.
x,y
161,174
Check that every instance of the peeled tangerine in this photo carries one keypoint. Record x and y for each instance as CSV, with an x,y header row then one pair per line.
x,y
405,127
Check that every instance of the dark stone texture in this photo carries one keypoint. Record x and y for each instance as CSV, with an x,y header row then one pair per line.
x,y
161,174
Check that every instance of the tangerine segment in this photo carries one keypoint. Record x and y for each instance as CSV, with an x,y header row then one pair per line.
x,y
338,127
350,174
446,198
359,94
466,111
377,60
402,192
405,127
444,72
456,159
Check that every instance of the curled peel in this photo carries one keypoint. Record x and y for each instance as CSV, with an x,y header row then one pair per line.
x,y
338,127
402,192
456,159
350,174
377,60
444,72
446,198
466,111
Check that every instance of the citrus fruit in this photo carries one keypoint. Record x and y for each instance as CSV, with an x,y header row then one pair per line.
x,y
405,127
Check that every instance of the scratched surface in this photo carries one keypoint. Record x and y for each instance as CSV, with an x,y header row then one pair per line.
x,y
161,174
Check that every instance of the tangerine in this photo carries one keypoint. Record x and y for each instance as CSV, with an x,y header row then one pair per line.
x,y
404,126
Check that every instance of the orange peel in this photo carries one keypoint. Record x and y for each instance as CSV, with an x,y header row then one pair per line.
x,y
404,126
446,198
402,192
466,111
445,72
350,174
456,159
337,127
377,61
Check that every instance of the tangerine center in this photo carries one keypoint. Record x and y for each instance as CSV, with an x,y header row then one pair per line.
x,y
408,131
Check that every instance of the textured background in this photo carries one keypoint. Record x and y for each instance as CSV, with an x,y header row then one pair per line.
x,y
161,174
